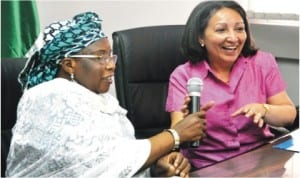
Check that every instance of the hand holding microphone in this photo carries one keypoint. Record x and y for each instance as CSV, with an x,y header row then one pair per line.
x,y
192,128
194,87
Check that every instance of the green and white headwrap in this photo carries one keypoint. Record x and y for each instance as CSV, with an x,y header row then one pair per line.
x,y
58,40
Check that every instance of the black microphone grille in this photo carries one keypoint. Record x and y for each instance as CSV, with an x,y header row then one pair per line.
x,y
194,85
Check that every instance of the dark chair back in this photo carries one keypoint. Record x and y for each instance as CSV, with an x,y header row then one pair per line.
x,y
146,58
10,95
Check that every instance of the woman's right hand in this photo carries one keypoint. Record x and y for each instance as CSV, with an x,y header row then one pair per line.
x,y
193,126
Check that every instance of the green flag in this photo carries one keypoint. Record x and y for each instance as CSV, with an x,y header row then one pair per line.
x,y
19,27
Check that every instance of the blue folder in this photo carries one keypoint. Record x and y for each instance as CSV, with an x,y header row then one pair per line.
x,y
292,144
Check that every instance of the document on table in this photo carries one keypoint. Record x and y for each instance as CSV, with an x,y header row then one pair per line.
x,y
292,144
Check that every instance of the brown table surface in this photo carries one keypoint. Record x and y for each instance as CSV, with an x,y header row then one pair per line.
x,y
264,161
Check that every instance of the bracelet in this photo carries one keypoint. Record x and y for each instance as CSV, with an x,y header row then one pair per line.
x,y
176,138
267,108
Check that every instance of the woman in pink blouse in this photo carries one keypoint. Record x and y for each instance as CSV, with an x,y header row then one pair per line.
x,y
245,84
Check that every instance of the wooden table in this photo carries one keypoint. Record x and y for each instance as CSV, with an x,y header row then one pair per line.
x,y
264,161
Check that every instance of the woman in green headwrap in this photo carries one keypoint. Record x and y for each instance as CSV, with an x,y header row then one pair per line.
x,y
69,126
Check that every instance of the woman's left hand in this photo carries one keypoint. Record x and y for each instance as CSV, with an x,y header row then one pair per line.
x,y
171,164
256,111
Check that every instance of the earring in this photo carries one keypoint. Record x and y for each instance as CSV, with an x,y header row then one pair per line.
x,y
202,45
72,77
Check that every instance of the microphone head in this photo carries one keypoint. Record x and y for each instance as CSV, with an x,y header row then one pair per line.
x,y
194,86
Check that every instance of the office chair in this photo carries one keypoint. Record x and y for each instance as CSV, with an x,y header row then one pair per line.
x,y
146,58
10,94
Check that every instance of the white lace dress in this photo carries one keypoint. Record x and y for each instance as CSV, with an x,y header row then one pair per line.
x,y
65,130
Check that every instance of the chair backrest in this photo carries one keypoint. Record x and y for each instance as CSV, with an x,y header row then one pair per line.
x,y
10,95
146,58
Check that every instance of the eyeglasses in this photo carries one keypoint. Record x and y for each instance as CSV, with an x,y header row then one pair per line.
x,y
99,59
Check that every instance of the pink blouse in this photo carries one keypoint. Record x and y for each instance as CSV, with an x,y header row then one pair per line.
x,y
252,80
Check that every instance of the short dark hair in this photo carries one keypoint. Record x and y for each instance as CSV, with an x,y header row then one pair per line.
x,y
197,23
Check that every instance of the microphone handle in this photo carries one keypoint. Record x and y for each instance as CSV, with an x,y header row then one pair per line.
x,y
194,106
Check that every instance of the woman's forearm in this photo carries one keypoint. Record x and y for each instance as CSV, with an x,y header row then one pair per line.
x,y
161,144
280,115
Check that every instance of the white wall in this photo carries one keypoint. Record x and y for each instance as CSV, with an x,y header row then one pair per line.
x,y
277,6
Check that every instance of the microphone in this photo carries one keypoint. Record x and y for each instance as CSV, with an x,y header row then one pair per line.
x,y
194,87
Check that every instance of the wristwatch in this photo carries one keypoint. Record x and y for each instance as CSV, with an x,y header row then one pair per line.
x,y
267,108
176,138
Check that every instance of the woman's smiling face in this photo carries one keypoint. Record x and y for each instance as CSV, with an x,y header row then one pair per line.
x,y
90,72
224,36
